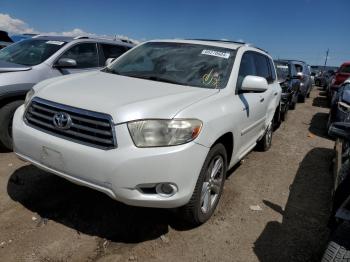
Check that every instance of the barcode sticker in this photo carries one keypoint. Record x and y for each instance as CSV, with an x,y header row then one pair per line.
x,y
216,53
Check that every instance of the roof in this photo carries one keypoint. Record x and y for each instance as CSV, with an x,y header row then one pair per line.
x,y
71,38
211,42
289,60
219,43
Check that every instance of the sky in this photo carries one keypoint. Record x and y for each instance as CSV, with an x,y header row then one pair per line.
x,y
298,29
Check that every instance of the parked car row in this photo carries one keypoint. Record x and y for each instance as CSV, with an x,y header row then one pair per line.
x,y
295,80
158,127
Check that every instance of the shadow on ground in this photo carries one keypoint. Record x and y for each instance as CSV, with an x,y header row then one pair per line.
x,y
303,233
87,210
318,125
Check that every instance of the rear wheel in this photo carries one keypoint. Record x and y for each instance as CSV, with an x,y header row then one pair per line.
x,y
301,98
208,189
292,105
265,142
284,114
6,116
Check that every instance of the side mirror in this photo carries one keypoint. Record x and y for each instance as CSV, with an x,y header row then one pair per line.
x,y
254,84
299,76
66,62
340,130
109,61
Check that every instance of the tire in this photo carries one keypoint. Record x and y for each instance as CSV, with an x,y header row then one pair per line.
x,y
301,98
292,105
265,142
6,117
195,212
308,95
338,248
284,115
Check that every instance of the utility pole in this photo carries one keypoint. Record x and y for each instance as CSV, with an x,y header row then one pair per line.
x,y
325,62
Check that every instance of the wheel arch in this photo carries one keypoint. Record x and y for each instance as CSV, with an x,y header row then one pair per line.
x,y
13,96
227,140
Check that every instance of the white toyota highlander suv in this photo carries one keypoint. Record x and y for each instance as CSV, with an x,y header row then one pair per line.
x,y
159,127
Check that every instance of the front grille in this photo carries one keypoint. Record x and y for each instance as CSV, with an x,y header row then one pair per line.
x,y
85,127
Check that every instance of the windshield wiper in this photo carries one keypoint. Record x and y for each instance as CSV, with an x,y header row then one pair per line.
x,y
157,78
110,70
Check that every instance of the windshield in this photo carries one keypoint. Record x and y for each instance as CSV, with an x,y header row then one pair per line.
x,y
30,52
177,63
345,69
282,70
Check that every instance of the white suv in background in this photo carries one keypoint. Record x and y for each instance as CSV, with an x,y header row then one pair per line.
x,y
159,127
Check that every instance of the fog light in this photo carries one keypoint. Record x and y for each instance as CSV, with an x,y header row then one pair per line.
x,y
166,189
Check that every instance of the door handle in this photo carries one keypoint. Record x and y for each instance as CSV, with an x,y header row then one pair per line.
x,y
262,100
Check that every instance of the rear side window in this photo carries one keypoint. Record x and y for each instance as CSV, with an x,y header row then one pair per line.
x,y
112,51
345,69
84,54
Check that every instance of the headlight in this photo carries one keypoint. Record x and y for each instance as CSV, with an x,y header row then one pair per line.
x,y
29,96
153,133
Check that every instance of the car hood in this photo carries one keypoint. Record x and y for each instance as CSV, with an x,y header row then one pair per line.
x,y
124,98
11,67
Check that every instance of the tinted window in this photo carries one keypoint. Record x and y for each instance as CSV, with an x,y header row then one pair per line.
x,y
247,67
273,71
112,51
84,54
177,63
262,66
283,70
30,52
298,68
345,69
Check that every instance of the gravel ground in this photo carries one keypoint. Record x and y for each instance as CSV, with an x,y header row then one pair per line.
x,y
45,218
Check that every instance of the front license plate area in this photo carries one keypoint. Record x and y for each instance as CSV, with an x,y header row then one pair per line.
x,y
52,159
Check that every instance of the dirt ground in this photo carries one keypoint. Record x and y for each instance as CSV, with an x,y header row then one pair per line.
x,y
46,218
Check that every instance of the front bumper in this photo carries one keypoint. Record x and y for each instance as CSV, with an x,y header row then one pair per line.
x,y
119,173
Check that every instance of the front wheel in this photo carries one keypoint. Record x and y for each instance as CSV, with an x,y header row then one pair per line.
x,y
6,116
208,188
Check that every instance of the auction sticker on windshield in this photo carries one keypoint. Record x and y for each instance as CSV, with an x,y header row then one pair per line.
x,y
216,53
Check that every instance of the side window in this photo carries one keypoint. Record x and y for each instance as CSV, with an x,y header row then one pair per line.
x,y
298,68
247,67
262,66
112,51
84,54
272,71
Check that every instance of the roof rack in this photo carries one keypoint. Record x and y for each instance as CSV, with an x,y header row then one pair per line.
x,y
217,40
81,37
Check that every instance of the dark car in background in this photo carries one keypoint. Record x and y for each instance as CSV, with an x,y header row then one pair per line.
x,y
324,78
290,84
5,40
340,105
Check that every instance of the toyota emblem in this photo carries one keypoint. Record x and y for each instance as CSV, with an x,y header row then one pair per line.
x,y
62,120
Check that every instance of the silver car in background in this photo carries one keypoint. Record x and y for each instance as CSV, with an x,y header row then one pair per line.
x,y
30,61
